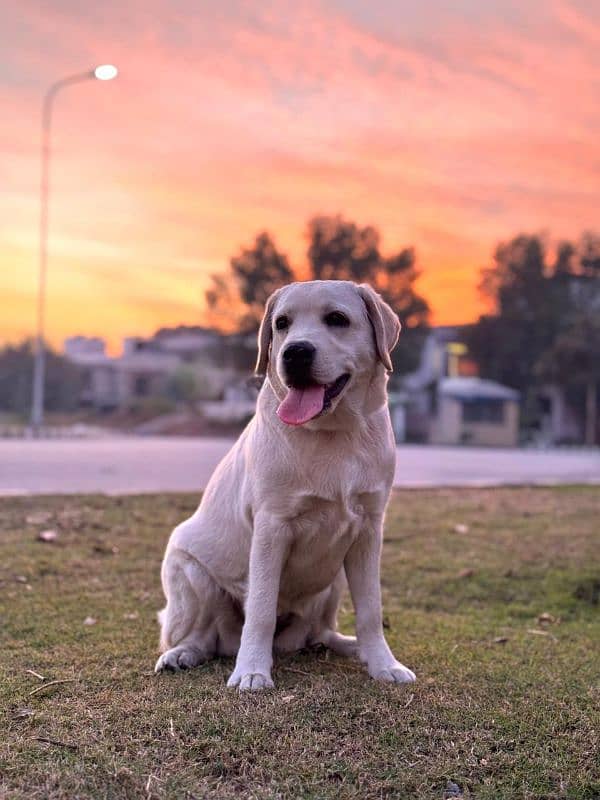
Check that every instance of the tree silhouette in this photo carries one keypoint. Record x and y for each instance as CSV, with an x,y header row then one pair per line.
x,y
337,249
543,327
573,362
341,250
64,380
237,301
589,249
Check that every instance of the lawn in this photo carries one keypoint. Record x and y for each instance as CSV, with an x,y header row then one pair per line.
x,y
491,596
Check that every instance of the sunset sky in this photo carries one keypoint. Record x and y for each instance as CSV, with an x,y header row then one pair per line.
x,y
449,125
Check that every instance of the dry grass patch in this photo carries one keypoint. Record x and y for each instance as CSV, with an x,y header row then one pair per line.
x,y
491,596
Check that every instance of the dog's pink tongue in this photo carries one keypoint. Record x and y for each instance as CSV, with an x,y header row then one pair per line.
x,y
300,405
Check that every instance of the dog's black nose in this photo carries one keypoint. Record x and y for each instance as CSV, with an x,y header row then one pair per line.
x,y
298,359
299,354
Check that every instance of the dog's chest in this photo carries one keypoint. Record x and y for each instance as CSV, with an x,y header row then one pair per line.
x,y
322,533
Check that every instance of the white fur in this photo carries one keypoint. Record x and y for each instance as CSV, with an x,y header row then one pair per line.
x,y
291,512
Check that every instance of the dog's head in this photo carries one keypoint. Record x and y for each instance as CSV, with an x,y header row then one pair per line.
x,y
326,345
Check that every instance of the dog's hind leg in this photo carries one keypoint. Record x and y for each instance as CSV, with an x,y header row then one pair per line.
x,y
294,636
326,632
189,620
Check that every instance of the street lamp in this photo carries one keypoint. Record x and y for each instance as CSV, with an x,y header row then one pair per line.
x,y
104,72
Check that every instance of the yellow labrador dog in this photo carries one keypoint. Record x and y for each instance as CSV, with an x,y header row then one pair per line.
x,y
297,506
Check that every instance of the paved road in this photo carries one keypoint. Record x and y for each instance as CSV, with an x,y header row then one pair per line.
x,y
132,465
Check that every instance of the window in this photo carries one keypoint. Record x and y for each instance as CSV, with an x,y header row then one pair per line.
x,y
141,386
483,410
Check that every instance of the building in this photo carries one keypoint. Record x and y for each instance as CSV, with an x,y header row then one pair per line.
x,y
446,403
142,371
84,346
469,410
186,341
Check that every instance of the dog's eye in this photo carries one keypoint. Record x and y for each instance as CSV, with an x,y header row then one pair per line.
x,y
335,319
282,322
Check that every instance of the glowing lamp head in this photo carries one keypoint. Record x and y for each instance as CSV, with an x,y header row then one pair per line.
x,y
106,72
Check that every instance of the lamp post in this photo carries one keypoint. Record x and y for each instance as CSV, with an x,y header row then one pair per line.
x,y
104,72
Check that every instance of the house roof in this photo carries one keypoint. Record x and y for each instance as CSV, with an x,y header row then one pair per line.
x,y
476,389
90,359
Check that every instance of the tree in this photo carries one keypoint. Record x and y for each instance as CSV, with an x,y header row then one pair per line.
x,y
539,315
573,359
183,386
237,301
63,380
589,250
338,249
508,343
565,259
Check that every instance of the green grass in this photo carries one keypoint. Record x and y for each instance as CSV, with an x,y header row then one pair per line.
x,y
506,705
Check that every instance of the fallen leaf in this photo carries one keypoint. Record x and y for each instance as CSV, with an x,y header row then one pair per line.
x,y
133,615
47,536
20,579
287,698
89,621
467,572
461,528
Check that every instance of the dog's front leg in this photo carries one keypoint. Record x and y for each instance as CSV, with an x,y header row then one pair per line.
x,y
270,544
362,570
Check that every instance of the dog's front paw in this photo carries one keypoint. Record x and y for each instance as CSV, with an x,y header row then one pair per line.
x,y
250,681
393,673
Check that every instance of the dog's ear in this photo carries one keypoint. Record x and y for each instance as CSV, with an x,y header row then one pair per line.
x,y
265,334
385,324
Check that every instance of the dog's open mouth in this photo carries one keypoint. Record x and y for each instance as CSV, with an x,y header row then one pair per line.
x,y
303,403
